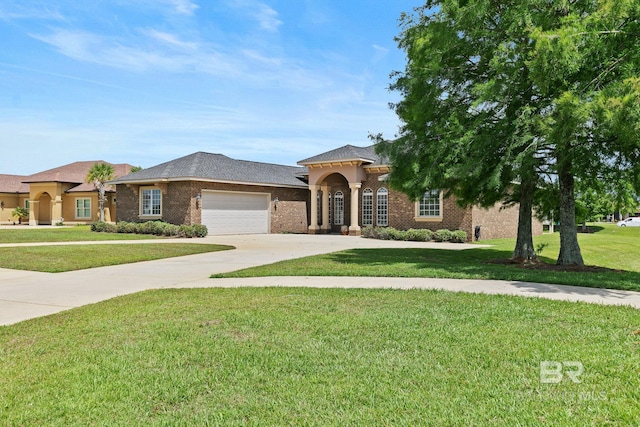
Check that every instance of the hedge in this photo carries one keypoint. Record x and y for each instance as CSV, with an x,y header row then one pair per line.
x,y
413,234
157,228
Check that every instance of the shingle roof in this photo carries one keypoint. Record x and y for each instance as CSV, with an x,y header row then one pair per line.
x,y
217,167
13,184
348,152
75,173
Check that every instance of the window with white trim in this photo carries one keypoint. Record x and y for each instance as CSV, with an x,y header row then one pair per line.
x,y
329,208
430,205
338,208
367,207
27,205
83,208
150,202
382,207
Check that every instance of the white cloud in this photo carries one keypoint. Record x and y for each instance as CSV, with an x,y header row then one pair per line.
x,y
267,17
185,7
170,39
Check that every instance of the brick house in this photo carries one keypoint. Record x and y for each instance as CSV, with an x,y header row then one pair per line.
x,y
341,190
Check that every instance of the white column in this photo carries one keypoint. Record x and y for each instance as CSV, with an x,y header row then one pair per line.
x,y
313,227
325,207
354,228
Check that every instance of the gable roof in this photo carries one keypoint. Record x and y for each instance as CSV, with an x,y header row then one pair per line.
x,y
75,173
346,153
201,166
13,184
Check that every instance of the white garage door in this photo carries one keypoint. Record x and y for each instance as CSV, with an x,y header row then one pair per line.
x,y
235,213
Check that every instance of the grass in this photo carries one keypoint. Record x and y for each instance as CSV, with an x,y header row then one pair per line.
x,y
606,248
81,233
320,357
60,258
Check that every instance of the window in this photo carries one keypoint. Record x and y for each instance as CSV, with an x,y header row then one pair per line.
x,y
151,201
319,211
382,207
329,208
83,208
27,205
367,207
430,205
338,208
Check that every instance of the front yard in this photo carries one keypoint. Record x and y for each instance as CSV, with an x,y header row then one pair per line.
x,y
61,258
323,357
613,250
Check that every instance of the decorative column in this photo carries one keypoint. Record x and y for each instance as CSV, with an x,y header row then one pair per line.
x,y
313,227
354,228
325,207
34,208
56,210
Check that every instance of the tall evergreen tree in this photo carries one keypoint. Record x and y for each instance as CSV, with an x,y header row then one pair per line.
x,y
498,95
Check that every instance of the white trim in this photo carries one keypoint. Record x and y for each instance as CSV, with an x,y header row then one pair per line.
x,y
432,218
141,214
75,211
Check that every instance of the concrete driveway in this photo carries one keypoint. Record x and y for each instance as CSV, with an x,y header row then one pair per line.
x,y
25,295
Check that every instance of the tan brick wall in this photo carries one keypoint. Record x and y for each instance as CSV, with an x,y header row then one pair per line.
x,y
289,217
497,222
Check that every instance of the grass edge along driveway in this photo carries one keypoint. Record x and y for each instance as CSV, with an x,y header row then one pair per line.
x,y
611,248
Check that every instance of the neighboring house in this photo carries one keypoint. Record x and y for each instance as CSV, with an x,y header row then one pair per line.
x,y
57,195
13,193
343,189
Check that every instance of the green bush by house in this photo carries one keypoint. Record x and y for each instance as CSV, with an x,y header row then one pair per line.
x,y
157,228
413,234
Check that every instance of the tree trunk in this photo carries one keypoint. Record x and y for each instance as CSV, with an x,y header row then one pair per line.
x,y
524,250
569,248
101,197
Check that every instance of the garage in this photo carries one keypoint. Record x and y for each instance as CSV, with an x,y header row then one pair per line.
x,y
225,212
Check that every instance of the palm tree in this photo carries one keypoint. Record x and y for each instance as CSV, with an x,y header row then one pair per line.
x,y
99,174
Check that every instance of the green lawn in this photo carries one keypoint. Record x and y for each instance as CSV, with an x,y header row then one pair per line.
x,y
321,357
56,259
60,258
611,247
81,233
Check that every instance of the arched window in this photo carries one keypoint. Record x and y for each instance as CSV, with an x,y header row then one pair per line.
x,y
382,207
367,207
338,208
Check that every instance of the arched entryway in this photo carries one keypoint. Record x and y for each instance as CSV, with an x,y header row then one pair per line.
x,y
334,201
43,209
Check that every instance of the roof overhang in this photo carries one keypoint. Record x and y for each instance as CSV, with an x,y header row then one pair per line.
x,y
151,181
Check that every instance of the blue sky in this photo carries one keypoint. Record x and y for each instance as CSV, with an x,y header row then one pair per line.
x,y
147,81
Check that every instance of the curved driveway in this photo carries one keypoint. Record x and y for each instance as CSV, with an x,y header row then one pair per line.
x,y
25,294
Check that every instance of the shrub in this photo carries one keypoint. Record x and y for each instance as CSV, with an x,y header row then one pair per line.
x,y
158,228
459,236
103,227
419,235
442,235
126,227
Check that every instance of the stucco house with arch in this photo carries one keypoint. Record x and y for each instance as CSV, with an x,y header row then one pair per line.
x,y
339,190
57,195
